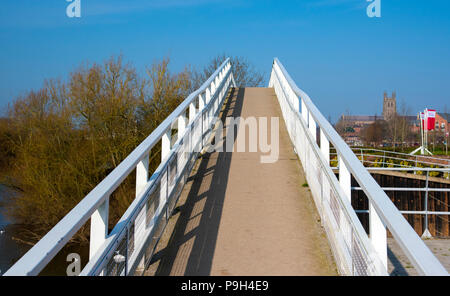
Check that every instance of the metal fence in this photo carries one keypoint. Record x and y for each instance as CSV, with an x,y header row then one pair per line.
x,y
355,253
376,158
429,193
129,246
379,161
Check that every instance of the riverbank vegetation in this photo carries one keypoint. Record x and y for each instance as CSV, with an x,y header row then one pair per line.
x,y
60,141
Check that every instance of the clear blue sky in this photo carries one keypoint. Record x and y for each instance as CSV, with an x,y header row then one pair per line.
x,y
342,58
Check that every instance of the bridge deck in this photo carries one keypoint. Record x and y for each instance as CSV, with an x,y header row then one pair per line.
x,y
238,216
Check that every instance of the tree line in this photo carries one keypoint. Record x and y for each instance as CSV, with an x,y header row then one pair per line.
x,y
396,130
57,143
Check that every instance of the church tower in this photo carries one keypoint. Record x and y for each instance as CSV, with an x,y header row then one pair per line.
x,y
389,106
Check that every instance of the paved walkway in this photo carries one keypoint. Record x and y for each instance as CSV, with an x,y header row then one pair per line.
x,y
238,216
399,264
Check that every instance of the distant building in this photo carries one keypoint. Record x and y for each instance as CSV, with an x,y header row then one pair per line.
x,y
352,125
389,106
355,123
360,119
442,122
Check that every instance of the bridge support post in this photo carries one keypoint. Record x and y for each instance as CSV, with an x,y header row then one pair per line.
x,y
213,88
165,150
304,112
325,147
204,100
99,228
216,84
216,102
141,181
191,112
182,122
378,235
208,94
312,127
325,150
201,101
345,179
141,174
165,144
426,233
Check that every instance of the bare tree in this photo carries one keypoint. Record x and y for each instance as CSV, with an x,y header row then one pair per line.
x,y
373,134
403,122
245,73
69,136
392,126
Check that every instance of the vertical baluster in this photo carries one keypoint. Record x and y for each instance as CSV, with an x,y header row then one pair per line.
x,y
182,121
99,228
141,174
305,117
216,83
378,235
165,144
207,95
296,101
312,127
141,181
426,232
304,111
202,103
208,100
165,151
325,147
216,98
345,179
209,92
325,150
191,112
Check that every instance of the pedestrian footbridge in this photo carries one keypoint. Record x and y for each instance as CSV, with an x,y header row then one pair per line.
x,y
244,187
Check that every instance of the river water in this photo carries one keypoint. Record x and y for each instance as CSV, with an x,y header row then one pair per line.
x,y
11,250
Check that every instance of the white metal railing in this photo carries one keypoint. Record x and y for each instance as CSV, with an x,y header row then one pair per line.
x,y
355,252
130,245
427,190
386,154
389,159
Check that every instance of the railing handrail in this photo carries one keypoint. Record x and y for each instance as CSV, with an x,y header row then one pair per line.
x,y
416,250
93,266
412,169
46,248
405,154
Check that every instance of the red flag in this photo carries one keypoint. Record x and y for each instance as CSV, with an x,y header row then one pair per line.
x,y
430,119
422,118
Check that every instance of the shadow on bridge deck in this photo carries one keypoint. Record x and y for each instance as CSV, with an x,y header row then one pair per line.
x,y
238,216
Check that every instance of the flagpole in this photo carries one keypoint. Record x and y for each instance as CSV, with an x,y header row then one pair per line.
x,y
446,143
421,147
422,135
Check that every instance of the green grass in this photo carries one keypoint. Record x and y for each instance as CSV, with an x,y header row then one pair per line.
x,y
438,150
